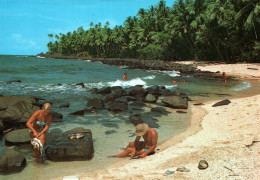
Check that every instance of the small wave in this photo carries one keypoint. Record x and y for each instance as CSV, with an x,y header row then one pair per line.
x,y
123,67
242,86
40,57
133,82
88,60
171,86
172,73
149,77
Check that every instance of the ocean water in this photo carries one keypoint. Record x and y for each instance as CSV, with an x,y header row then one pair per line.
x,y
55,80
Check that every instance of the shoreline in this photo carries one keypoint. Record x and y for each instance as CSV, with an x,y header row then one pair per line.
x,y
153,167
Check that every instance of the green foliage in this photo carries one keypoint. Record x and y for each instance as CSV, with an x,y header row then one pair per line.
x,y
217,30
151,52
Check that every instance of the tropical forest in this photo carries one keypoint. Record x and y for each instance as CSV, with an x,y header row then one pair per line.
x,y
210,30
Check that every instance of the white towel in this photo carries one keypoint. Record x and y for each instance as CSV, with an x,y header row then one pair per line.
x,y
37,144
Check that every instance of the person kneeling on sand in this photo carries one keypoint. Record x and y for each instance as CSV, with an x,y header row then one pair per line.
x,y
141,148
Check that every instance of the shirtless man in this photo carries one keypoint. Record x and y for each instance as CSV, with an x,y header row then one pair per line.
x,y
38,124
141,148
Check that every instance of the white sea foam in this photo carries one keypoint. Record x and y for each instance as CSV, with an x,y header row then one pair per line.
x,y
123,67
40,57
149,77
132,82
88,60
171,86
172,73
242,86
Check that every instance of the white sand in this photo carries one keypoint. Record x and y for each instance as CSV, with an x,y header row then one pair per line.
x,y
235,69
227,137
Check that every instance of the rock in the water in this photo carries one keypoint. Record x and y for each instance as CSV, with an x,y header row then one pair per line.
x,y
16,109
14,81
64,105
159,110
110,132
118,106
137,91
80,84
175,102
114,95
96,103
56,117
12,162
136,119
221,103
80,113
65,149
105,90
150,98
203,164
17,137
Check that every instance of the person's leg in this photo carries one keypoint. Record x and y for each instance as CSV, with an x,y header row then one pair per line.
x,y
129,148
42,139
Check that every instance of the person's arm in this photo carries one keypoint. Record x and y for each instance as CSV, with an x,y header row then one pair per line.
x,y
152,148
46,127
30,122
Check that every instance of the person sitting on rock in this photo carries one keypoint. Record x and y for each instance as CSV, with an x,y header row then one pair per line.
x,y
125,77
141,148
38,124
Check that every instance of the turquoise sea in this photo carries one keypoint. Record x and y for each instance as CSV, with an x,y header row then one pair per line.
x,y
55,80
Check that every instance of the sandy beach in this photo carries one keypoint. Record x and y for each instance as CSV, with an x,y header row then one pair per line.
x,y
227,137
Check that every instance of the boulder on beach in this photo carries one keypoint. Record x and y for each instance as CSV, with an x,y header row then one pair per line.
x,y
137,91
62,148
12,162
96,103
176,102
56,117
114,95
18,137
117,106
79,113
16,109
150,98
105,90
222,103
203,164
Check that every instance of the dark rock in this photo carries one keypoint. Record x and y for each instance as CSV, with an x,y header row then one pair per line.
x,y
117,106
159,110
18,137
1,126
176,102
96,103
136,119
131,98
203,164
80,113
65,149
154,90
150,98
181,112
253,68
198,104
12,162
80,84
105,90
90,109
122,99
65,105
16,109
15,81
137,91
115,88
114,95
110,132
221,103
138,103
56,117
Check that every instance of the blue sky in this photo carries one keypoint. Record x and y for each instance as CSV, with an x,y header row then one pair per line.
x,y
25,24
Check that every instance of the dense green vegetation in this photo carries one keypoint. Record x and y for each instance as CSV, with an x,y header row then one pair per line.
x,y
213,30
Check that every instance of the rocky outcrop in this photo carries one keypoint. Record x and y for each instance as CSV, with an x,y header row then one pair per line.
x,y
96,103
118,106
175,102
18,137
150,98
12,162
62,148
16,109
